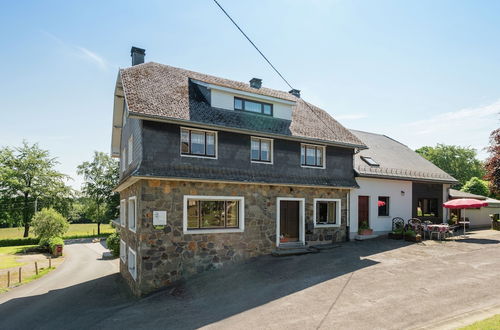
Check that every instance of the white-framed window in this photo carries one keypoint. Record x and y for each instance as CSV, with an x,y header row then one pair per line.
x,y
327,212
130,153
261,150
312,155
123,251
132,262
123,159
213,214
123,214
198,143
132,213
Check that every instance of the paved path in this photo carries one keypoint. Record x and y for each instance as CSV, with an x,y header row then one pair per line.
x,y
377,284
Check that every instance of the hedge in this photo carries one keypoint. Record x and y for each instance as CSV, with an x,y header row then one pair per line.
x,y
19,241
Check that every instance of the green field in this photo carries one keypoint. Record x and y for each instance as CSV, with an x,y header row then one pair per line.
x,y
493,323
78,229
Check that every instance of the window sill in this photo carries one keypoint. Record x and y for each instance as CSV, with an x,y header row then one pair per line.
x,y
199,156
212,231
316,167
261,162
317,225
134,230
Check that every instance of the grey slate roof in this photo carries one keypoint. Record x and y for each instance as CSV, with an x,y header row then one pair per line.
x,y
461,194
162,91
396,160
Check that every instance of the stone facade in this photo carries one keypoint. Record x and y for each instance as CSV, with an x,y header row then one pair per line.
x,y
166,254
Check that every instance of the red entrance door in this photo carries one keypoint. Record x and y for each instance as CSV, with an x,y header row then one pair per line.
x,y
363,210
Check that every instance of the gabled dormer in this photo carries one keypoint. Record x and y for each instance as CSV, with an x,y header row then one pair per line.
x,y
226,98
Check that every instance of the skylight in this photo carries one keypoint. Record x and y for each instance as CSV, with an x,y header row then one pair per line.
x,y
370,161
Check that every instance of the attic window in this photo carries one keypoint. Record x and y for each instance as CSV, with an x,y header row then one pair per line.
x,y
253,106
370,161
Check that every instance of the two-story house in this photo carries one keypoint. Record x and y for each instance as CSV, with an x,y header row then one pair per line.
x,y
215,171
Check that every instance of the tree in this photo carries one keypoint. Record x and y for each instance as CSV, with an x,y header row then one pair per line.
x,y
49,223
493,162
459,162
100,178
476,186
28,178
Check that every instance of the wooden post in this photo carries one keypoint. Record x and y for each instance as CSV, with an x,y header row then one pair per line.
x,y
50,262
8,278
20,276
36,267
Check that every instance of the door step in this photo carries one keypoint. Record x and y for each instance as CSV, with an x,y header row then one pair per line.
x,y
293,249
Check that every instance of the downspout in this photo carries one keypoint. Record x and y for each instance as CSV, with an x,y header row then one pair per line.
x,y
347,238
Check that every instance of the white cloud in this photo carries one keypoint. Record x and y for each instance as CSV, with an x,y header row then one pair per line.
x,y
93,57
79,51
351,117
465,127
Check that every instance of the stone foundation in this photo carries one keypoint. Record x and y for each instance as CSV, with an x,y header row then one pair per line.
x,y
165,255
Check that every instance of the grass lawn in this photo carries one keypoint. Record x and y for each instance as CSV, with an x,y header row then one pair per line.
x,y
77,229
8,258
493,323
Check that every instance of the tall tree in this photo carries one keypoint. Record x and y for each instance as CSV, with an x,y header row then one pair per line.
x,y
28,177
459,162
493,162
476,186
100,178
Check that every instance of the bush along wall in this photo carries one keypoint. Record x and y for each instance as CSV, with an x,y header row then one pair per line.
x,y
495,224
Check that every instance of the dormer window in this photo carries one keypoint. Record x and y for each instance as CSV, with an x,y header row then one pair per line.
x,y
370,161
253,106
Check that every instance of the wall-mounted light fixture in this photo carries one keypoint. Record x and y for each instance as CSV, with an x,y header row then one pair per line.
x,y
402,193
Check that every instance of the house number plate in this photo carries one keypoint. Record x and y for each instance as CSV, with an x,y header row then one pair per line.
x,y
159,218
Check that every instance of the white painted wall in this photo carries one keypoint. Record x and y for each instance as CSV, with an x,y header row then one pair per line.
x,y
481,217
225,100
399,205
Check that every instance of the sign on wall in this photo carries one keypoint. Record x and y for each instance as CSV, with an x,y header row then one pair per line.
x,y
159,218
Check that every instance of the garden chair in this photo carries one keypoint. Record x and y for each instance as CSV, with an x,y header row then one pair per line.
x,y
398,223
416,225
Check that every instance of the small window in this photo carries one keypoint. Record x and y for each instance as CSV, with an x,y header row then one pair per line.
x,y
312,155
123,251
253,106
198,143
370,161
123,207
132,263
208,214
132,213
130,153
326,212
261,150
383,206
427,207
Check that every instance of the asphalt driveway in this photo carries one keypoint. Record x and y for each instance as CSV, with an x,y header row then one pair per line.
x,y
377,284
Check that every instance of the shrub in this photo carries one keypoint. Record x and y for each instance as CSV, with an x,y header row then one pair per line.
x,y
52,242
49,223
410,233
113,243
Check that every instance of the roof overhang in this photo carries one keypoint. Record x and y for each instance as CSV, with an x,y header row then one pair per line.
x,y
135,178
403,178
118,106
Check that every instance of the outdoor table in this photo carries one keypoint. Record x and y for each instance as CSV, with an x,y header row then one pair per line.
x,y
441,229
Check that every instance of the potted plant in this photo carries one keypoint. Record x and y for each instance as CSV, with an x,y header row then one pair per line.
x,y
397,234
412,236
364,229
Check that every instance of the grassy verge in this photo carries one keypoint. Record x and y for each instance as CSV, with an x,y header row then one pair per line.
x,y
8,258
492,323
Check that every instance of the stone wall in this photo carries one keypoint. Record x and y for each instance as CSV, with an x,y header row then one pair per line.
x,y
166,254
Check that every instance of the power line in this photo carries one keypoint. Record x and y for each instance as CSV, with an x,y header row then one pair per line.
x,y
249,40
272,66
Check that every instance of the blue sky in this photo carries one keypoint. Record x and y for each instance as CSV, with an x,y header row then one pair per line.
x,y
422,72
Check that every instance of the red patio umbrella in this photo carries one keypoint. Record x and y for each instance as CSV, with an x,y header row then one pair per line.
x,y
381,203
464,203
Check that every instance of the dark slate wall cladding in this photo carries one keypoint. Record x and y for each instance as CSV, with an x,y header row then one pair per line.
x,y
162,158
132,127
427,190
